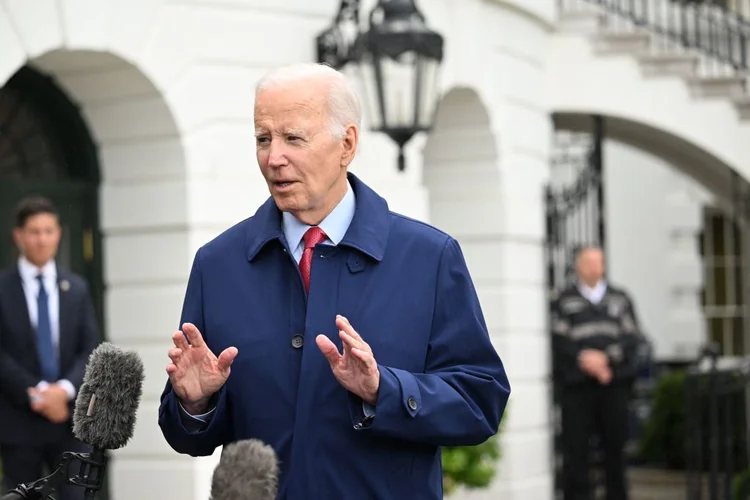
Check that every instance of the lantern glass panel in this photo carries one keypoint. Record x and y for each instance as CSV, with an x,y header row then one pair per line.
x,y
368,83
399,86
428,74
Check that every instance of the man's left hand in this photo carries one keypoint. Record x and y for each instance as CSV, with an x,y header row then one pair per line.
x,y
52,402
356,368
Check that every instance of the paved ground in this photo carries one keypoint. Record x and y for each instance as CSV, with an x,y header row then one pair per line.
x,y
654,484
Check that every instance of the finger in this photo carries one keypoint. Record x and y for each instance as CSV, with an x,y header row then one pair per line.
x,y
180,341
194,336
365,357
348,341
344,324
348,328
226,358
328,349
175,354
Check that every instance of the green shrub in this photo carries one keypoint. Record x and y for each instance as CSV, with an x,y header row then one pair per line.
x,y
472,467
663,439
665,435
741,486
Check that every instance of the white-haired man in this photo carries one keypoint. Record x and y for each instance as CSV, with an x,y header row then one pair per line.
x,y
355,338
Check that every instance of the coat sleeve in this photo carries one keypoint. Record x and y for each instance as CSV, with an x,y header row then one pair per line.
x,y
89,336
190,439
15,380
460,398
623,351
565,349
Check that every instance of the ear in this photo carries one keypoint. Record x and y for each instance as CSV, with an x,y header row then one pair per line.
x,y
349,145
17,237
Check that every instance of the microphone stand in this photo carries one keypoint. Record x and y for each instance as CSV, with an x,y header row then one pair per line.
x,y
48,488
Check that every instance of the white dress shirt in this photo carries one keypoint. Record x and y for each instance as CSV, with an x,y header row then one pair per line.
x,y
594,294
29,272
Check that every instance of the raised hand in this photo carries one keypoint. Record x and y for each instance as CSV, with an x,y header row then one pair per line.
x,y
195,372
355,369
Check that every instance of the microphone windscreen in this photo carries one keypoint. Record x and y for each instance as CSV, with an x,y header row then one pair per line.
x,y
107,402
248,470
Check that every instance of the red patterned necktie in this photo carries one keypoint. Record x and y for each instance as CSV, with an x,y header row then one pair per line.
x,y
312,237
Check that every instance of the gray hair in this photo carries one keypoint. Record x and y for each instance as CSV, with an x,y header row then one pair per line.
x,y
343,102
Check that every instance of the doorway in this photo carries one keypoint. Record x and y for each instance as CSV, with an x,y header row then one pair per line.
x,y
46,150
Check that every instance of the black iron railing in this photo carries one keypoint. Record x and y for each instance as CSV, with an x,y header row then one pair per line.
x,y
716,423
717,32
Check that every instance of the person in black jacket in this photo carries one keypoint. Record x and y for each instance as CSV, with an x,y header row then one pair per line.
x,y
48,329
595,337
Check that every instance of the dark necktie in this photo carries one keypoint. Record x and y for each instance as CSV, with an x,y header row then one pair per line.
x,y
312,237
45,347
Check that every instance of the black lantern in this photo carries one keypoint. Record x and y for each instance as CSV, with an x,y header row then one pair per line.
x,y
399,60
335,45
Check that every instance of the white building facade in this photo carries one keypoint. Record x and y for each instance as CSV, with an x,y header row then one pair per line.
x,y
166,90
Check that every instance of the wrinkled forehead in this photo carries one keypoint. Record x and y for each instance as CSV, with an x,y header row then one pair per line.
x,y
293,106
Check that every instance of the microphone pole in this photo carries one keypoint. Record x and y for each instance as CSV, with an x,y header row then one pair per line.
x,y
48,488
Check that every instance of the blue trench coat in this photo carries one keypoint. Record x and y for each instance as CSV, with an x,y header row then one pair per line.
x,y
405,288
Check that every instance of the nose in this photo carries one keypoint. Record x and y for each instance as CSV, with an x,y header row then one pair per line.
x,y
276,155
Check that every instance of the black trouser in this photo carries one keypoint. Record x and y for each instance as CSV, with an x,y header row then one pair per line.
x,y
25,464
593,409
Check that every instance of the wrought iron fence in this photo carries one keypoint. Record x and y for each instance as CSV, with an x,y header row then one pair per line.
x,y
716,420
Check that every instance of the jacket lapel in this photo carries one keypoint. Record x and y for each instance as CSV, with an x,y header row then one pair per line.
x,y
66,299
17,299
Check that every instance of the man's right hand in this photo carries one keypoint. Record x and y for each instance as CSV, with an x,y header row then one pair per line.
x,y
195,372
595,363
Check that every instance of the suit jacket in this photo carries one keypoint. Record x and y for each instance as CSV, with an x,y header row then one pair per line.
x,y
405,288
19,366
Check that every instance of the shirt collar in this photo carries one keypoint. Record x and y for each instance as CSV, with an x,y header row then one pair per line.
x,y
586,291
334,225
29,271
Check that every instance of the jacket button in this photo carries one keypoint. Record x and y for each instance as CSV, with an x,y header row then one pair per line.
x,y
298,341
412,403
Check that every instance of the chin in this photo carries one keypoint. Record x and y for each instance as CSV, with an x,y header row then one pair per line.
x,y
285,203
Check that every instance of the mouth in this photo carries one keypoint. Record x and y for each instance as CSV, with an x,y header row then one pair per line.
x,y
283,184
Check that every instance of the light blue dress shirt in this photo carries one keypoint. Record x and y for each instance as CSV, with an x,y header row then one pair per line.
x,y
334,226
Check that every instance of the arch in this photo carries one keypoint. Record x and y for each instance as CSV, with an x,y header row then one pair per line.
x,y
41,121
697,163
143,241
460,167
583,81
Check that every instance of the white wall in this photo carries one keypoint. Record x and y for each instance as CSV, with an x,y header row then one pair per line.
x,y
654,215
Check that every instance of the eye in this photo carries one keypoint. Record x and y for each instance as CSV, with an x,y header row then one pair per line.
x,y
293,138
261,140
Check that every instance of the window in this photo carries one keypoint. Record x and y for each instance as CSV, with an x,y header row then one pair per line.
x,y
724,282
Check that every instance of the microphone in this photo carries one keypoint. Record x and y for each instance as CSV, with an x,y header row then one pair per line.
x,y
104,417
106,407
248,470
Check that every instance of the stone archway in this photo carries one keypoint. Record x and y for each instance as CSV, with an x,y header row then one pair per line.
x,y
476,199
145,232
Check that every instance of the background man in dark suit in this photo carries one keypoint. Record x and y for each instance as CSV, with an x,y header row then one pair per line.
x,y
48,329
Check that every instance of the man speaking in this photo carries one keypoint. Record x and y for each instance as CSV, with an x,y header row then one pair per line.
x,y
347,337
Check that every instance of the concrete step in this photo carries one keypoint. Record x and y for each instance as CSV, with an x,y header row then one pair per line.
x,y
732,87
626,42
583,21
668,64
